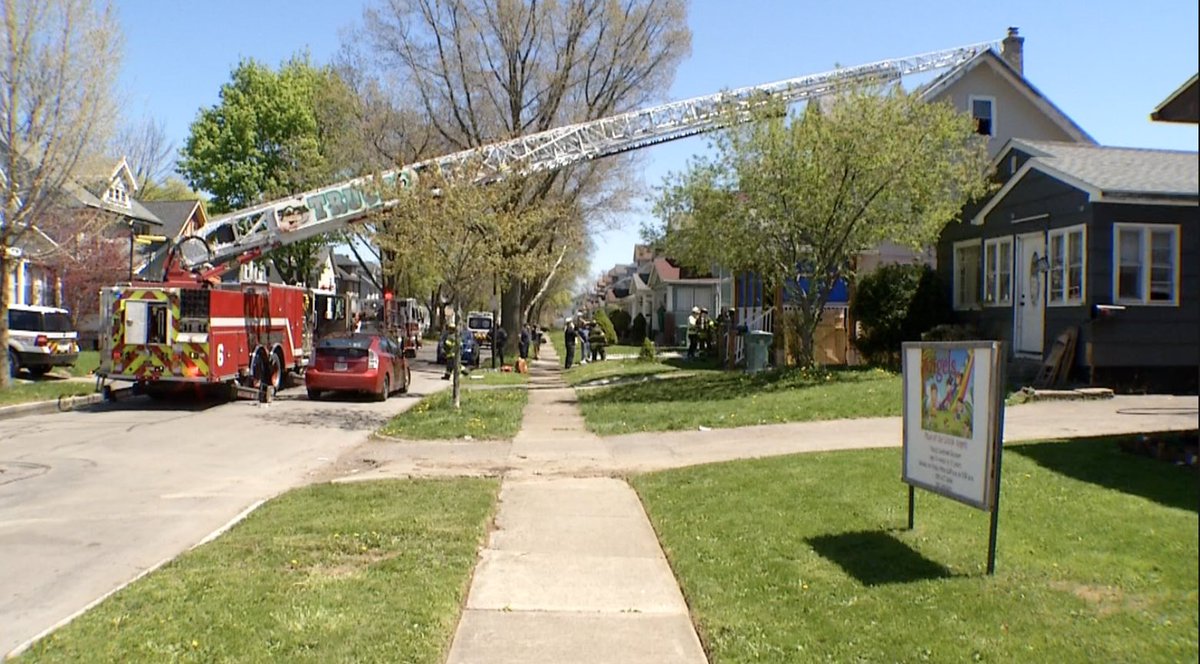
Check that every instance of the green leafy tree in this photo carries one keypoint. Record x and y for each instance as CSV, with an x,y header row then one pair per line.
x,y
458,229
270,136
791,198
170,189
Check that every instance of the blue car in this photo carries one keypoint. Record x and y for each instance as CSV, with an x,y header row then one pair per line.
x,y
470,348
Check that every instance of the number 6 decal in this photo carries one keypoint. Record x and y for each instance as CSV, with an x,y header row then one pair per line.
x,y
220,355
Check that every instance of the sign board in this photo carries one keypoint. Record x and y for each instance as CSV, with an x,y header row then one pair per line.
x,y
953,405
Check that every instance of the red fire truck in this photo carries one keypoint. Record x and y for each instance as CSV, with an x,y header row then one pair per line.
x,y
165,337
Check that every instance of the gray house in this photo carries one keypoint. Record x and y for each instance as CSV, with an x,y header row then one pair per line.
x,y
1101,241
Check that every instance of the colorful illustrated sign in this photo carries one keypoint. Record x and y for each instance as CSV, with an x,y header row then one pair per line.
x,y
947,384
951,409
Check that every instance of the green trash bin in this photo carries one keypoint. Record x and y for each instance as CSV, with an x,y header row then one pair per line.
x,y
758,347
681,335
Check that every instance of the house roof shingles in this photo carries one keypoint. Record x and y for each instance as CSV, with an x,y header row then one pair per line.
x,y
1119,172
173,214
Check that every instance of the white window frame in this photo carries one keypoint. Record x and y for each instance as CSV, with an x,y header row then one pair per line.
x,y
1064,269
993,270
1145,230
971,99
977,245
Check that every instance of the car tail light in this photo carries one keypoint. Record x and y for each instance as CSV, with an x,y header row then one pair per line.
x,y
372,360
41,340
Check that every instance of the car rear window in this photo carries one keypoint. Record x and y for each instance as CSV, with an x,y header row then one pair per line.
x,y
479,323
26,321
36,321
360,342
57,322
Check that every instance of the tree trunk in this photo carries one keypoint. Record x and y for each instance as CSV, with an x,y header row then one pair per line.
x,y
5,380
456,384
510,310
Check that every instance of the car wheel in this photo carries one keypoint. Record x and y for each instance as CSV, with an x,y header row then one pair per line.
x,y
314,395
39,371
384,390
14,365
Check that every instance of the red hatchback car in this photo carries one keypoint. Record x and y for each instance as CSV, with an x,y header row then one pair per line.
x,y
357,362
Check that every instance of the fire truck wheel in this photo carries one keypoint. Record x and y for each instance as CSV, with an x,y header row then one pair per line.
x,y
385,390
275,371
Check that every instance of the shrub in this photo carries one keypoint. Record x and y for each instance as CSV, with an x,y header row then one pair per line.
x,y
620,322
648,352
637,329
605,324
951,333
894,304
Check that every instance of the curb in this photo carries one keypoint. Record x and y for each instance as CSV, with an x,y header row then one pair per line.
x,y
63,404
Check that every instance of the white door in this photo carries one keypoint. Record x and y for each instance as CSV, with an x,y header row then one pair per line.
x,y
135,322
1030,303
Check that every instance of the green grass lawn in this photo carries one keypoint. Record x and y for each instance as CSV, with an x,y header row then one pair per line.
x,y
623,349
619,370
804,558
491,377
43,390
486,414
366,572
87,362
715,398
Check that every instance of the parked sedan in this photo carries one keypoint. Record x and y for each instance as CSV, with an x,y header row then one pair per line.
x,y
470,348
357,362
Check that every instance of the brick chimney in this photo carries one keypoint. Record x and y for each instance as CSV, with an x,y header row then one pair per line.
x,y
1012,49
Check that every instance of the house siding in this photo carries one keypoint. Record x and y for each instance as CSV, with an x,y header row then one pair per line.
x,y
1036,194
1015,115
1145,336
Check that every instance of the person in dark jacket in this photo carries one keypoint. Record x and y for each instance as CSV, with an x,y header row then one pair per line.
x,y
523,342
569,341
499,338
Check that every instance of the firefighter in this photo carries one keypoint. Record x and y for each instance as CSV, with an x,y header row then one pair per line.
x,y
452,345
708,333
693,332
597,341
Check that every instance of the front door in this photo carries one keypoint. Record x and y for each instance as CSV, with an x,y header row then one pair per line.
x,y
1029,316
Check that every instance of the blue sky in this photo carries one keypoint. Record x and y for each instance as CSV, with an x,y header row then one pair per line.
x,y
1105,64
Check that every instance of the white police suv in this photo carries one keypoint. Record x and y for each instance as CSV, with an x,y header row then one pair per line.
x,y
40,338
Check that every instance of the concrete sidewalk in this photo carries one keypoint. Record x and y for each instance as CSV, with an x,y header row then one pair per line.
x,y
573,571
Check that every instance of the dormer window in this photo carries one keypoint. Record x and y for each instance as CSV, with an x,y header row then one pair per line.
x,y
983,110
117,196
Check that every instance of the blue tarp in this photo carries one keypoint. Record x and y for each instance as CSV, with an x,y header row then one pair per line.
x,y
749,291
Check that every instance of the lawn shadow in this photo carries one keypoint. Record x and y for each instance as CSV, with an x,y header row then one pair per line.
x,y
876,558
1101,461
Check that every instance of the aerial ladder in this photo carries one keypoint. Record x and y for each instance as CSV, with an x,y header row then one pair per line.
x,y
246,235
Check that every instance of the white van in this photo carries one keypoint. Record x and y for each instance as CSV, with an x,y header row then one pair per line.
x,y
40,338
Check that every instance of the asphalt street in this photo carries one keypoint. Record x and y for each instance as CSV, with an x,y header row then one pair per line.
x,y
92,498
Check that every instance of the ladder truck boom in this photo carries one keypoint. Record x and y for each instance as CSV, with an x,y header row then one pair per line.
x,y
247,234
